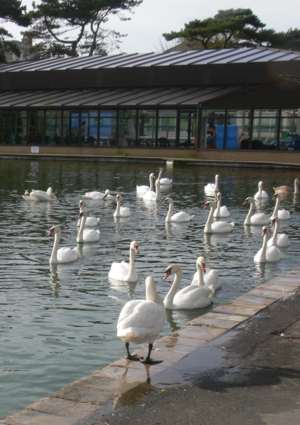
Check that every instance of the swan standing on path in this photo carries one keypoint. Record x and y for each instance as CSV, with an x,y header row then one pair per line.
x,y
64,254
252,218
90,221
278,239
126,272
86,234
267,254
141,321
39,195
261,195
220,211
210,189
179,217
217,226
191,296
282,214
141,190
120,211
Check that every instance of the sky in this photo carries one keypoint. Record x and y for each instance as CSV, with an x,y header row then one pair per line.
x,y
154,17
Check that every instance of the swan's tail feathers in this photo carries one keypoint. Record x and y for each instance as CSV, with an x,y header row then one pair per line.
x,y
128,335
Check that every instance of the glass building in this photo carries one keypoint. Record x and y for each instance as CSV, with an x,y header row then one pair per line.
x,y
225,99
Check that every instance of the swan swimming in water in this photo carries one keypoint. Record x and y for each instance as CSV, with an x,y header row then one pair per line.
x,y
267,254
220,211
98,196
210,189
151,195
86,234
90,221
141,321
141,190
252,218
278,239
281,214
39,195
179,217
261,194
126,272
217,226
61,255
191,296
211,278
120,211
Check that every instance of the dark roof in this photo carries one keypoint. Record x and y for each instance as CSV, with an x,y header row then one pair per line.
x,y
93,98
173,58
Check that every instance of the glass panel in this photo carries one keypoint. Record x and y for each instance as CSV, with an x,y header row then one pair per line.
x,y
36,124
53,127
166,128
108,128
290,112
77,129
13,127
187,129
93,128
264,133
146,128
127,128
213,123
238,130
290,130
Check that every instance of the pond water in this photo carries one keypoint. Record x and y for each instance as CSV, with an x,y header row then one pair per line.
x,y
55,328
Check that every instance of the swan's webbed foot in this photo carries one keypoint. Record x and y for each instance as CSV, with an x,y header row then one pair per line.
x,y
151,362
129,356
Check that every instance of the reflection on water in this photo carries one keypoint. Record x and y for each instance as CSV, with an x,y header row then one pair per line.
x,y
58,324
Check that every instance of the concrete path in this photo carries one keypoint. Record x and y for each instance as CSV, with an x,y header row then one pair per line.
x,y
238,364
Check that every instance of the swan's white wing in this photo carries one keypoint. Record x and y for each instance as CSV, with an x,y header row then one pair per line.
x,y
192,297
209,189
91,235
141,190
165,181
222,227
224,212
259,219
282,240
142,323
273,254
149,196
181,216
118,271
211,279
67,255
39,195
284,214
124,211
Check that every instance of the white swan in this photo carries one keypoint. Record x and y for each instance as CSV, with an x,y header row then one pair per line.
x,y
282,214
141,190
211,277
179,217
189,297
86,234
64,254
90,221
39,195
125,272
120,211
217,226
278,239
252,218
210,189
267,254
98,196
261,194
141,321
220,211
151,195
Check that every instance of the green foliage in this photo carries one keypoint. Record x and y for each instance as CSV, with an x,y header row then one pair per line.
x,y
77,26
233,28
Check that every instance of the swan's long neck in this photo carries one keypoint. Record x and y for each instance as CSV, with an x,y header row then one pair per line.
x,y
264,247
168,301
53,257
250,213
170,211
151,294
131,264
157,187
218,206
275,211
207,227
296,187
275,233
118,208
200,276
151,183
81,229
216,183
